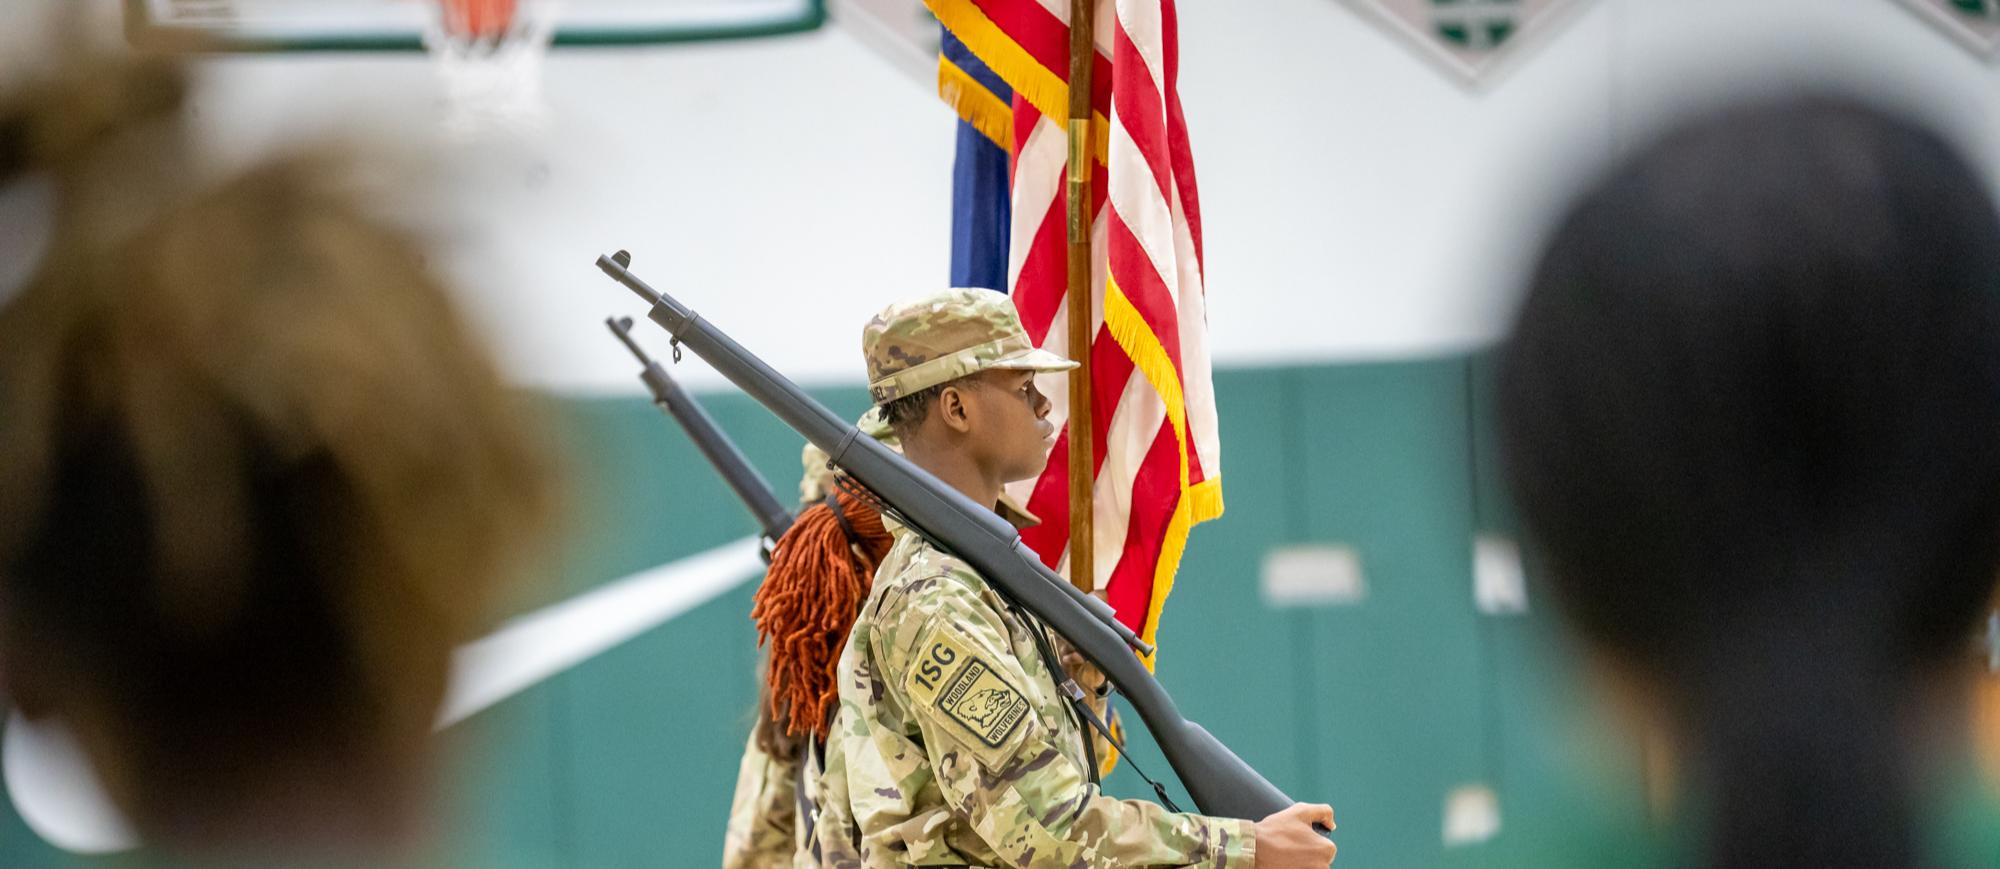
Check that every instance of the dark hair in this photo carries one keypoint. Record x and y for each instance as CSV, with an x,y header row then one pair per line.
x,y
773,726
907,412
1751,417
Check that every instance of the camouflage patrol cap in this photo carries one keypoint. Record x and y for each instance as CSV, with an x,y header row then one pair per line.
x,y
939,337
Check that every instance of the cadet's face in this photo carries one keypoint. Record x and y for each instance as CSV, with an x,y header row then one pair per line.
x,y
1013,431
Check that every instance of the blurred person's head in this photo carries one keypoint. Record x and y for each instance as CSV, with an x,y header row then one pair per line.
x,y
1751,417
256,480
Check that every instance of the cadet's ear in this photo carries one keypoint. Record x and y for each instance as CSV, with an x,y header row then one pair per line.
x,y
951,408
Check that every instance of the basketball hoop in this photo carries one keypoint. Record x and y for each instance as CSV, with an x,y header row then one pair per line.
x,y
488,55
478,19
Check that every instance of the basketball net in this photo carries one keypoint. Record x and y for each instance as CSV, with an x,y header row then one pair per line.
x,y
488,54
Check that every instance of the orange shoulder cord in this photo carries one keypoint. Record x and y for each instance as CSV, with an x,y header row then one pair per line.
x,y
819,576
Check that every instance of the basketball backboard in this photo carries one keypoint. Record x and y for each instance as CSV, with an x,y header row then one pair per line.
x,y
399,25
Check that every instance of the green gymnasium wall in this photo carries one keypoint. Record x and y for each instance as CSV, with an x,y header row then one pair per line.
x,y
1380,708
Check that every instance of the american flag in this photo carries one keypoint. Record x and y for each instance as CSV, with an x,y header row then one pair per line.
x,y
1157,450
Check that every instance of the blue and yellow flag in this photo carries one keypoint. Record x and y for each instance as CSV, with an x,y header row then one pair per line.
x,y
981,208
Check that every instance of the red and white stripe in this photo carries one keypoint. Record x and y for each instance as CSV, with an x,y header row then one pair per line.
x,y
1158,454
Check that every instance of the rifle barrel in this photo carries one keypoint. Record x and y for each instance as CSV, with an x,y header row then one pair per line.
x,y
721,452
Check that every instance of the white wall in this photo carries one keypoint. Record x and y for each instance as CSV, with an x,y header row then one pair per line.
x,y
1359,204
784,188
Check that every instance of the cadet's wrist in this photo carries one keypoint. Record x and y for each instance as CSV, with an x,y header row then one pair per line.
x,y
1246,834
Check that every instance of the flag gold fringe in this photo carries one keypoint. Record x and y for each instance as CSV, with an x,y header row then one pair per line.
x,y
1041,87
975,104
1197,503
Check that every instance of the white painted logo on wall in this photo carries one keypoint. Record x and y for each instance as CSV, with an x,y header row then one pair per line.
x,y
1974,23
1470,39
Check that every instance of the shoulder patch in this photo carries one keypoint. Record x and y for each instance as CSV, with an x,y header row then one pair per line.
x,y
958,682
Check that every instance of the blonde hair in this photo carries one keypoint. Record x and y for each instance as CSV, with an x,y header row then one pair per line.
x,y
259,478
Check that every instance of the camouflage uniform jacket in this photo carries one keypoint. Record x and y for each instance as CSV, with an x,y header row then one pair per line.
x,y
952,747
763,831
761,817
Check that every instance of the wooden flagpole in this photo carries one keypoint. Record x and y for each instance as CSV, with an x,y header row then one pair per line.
x,y
1082,468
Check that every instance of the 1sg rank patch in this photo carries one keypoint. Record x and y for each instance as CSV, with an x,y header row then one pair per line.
x,y
959,682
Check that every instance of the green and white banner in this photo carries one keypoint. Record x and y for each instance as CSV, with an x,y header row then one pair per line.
x,y
1470,39
1974,23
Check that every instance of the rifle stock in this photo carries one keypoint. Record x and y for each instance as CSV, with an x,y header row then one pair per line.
x,y
720,451
1221,784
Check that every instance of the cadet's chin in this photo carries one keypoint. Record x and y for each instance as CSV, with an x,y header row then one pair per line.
x,y
1029,470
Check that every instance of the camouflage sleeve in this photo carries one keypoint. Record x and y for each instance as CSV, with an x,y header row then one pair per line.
x,y
1086,675
999,765
761,816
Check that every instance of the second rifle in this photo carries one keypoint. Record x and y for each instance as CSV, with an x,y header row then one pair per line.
x,y
721,452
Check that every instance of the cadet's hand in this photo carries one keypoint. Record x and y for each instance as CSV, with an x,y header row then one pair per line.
x,y
1287,840
1081,669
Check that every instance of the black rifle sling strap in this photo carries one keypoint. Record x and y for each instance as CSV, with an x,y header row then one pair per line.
x,y
840,517
1074,693
1064,684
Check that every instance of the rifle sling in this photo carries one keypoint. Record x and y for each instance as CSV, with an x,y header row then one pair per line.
x,y
1074,694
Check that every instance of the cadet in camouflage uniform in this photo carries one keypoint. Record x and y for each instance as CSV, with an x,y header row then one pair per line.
x,y
952,745
763,831
763,815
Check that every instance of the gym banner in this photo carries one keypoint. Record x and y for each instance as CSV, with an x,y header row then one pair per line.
x,y
1470,39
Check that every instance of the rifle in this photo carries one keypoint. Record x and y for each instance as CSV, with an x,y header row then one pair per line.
x,y
1221,784
735,470
720,451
